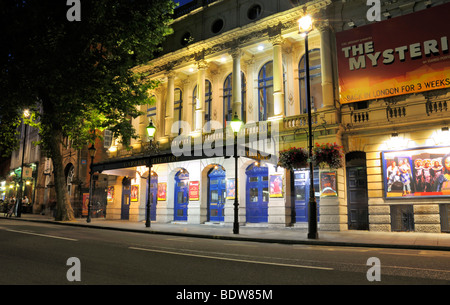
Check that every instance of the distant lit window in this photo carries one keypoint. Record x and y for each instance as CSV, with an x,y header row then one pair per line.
x,y
107,138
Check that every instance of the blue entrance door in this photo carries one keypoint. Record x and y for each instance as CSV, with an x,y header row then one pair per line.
x,y
257,194
153,195
181,195
301,195
126,197
216,194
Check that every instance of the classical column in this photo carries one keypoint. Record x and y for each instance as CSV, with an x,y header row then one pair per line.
x,y
278,86
236,105
170,102
326,66
200,101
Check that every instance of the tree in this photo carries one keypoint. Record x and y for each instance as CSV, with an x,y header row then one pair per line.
x,y
77,76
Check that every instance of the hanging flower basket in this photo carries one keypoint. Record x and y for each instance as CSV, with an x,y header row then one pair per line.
x,y
293,158
328,155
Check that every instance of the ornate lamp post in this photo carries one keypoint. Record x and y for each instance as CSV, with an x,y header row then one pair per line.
x,y
236,125
92,152
151,130
305,26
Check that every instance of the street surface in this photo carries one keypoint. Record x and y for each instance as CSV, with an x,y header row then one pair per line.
x,y
39,253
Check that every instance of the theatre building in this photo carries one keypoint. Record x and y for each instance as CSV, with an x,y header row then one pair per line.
x,y
378,89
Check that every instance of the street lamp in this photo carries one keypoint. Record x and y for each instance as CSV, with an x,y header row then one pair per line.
x,y
151,130
26,115
92,152
236,125
305,25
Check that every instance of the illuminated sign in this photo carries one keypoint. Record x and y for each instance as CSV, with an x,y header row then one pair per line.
x,y
403,55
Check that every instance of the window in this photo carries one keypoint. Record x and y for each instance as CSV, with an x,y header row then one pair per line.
x,y
227,98
70,178
151,108
107,138
254,12
217,26
208,99
265,91
178,106
186,39
315,81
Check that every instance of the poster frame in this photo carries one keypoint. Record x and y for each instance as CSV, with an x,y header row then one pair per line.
x,y
407,153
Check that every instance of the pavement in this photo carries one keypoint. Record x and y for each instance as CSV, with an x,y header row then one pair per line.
x,y
282,235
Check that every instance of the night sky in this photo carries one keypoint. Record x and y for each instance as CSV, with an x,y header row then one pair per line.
x,y
182,2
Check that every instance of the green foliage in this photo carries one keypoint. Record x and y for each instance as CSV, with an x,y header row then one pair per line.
x,y
293,158
9,133
78,73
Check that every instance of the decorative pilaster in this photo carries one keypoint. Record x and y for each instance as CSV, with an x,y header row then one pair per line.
x,y
170,102
326,65
200,101
236,105
278,90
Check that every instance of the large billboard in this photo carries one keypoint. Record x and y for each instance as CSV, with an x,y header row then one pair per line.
x,y
417,172
402,55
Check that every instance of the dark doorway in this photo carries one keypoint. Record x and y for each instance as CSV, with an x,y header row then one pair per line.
x,y
126,197
357,197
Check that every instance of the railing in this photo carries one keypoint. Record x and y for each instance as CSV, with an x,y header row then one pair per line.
x,y
438,106
361,116
252,131
299,121
395,112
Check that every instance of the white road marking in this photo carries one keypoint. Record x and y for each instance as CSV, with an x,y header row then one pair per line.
x,y
231,259
42,235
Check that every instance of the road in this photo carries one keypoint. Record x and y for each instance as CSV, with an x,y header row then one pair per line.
x,y
37,253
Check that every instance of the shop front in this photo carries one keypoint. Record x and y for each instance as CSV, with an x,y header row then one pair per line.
x,y
394,86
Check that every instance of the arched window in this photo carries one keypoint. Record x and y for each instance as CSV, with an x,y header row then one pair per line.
x,y
70,174
315,81
178,106
151,109
208,98
265,91
227,98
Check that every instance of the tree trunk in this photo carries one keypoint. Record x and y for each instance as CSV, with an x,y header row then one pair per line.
x,y
64,211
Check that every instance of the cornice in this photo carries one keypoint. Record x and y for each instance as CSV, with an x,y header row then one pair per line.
x,y
283,22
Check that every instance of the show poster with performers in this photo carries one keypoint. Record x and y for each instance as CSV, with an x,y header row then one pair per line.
x,y
162,187
85,204
276,186
110,194
418,172
328,187
231,189
135,192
